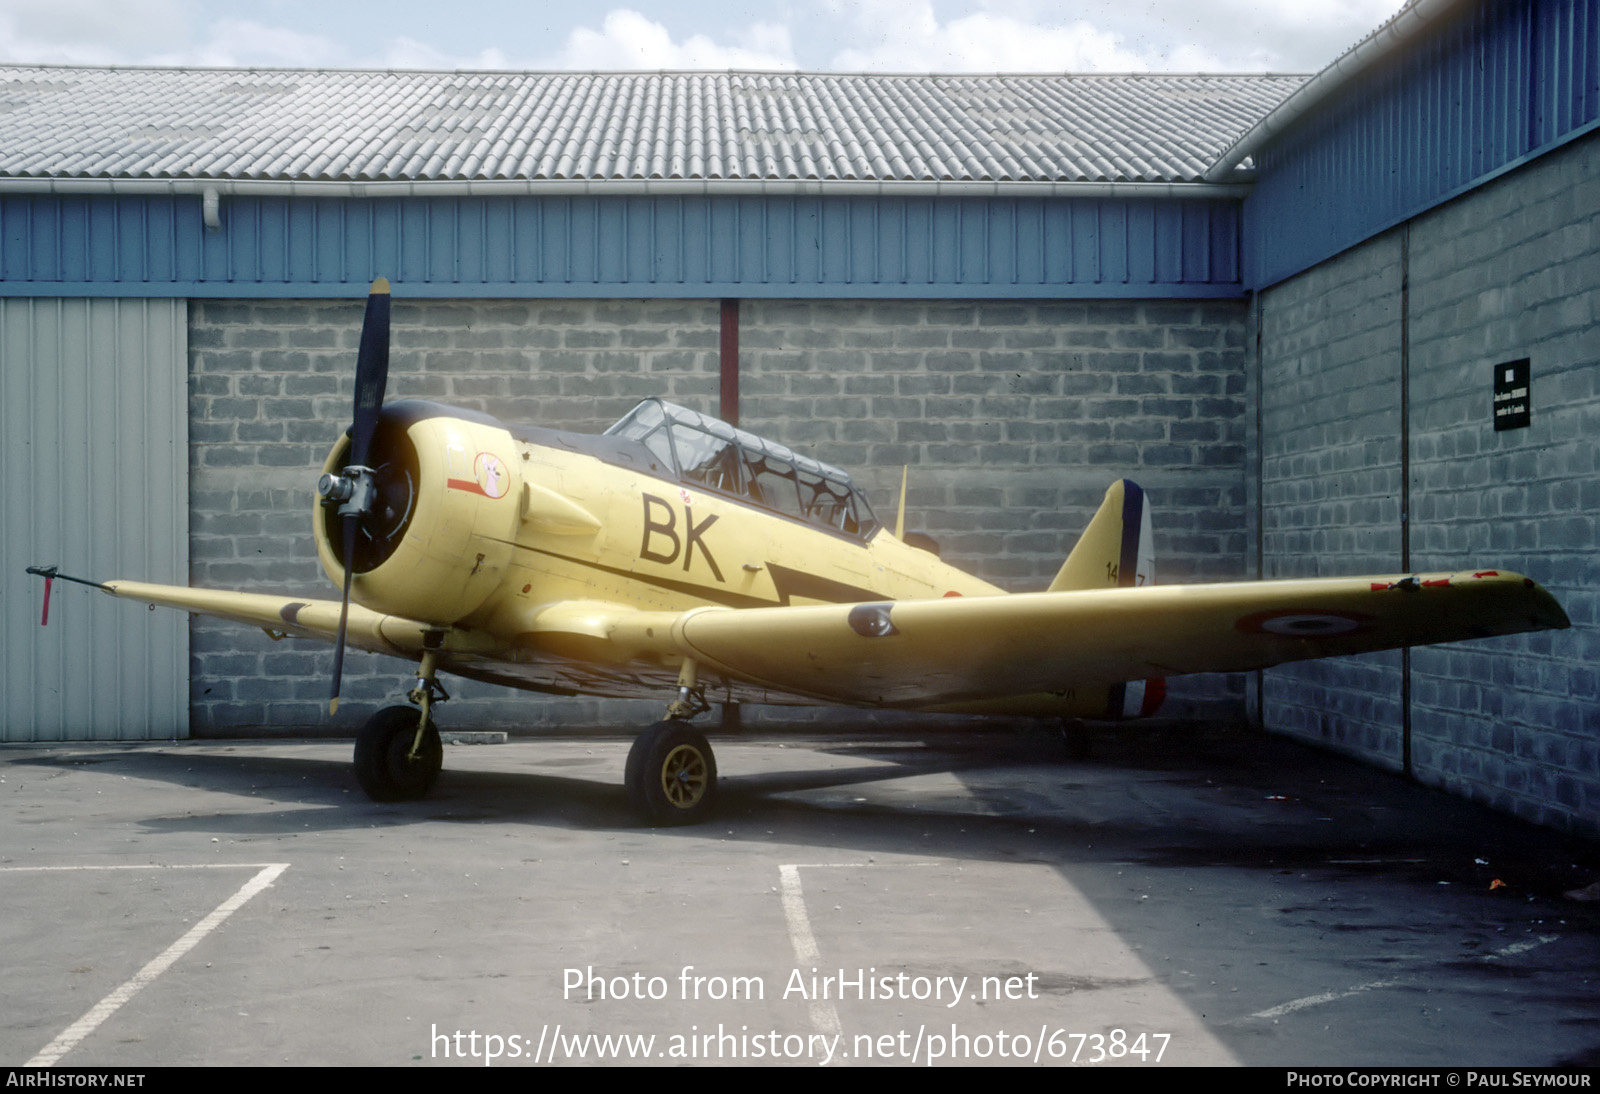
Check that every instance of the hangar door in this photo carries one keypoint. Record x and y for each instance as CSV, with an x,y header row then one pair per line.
x,y
93,400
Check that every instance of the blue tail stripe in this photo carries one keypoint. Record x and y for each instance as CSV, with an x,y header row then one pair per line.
x,y
1132,523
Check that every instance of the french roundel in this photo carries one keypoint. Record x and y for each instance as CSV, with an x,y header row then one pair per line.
x,y
1303,624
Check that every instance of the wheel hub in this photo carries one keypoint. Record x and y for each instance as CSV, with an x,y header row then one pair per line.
x,y
683,776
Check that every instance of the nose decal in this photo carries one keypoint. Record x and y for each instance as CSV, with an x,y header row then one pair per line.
x,y
489,477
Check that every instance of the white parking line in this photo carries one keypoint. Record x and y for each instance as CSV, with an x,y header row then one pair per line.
x,y
1091,981
1317,1000
1329,996
1520,947
102,1010
824,1018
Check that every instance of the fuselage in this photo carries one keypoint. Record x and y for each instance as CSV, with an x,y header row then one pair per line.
x,y
489,527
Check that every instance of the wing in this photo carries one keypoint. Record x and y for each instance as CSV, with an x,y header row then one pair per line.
x,y
304,618
569,647
966,652
970,653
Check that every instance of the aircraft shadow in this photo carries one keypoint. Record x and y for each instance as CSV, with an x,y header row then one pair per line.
x,y
1169,796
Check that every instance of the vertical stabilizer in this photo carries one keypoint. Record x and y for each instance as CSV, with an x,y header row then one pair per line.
x,y
1117,550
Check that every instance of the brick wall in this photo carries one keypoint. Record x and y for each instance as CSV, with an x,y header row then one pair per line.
x,y
1330,479
1014,418
1510,270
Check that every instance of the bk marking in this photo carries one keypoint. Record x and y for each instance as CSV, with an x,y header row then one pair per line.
x,y
661,531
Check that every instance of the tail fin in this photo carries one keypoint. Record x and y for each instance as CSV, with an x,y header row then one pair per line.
x,y
1117,550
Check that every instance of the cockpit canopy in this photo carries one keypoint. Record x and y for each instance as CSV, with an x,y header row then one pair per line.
x,y
713,455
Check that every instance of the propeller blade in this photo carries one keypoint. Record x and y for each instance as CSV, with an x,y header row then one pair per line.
x,y
372,376
349,523
372,372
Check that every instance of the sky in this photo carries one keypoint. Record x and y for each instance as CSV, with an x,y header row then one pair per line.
x,y
813,35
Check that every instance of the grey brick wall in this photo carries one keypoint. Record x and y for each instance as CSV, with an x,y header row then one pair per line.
x,y
1510,270
1330,479
1014,419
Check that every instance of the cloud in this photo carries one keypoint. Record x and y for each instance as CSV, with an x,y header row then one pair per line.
x,y
408,53
1101,35
629,40
850,35
988,42
1278,35
149,32
240,42
90,32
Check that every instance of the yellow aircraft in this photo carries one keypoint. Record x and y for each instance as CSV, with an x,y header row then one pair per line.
x,y
677,555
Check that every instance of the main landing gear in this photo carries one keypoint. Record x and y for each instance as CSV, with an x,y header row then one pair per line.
x,y
671,774
398,755
398,751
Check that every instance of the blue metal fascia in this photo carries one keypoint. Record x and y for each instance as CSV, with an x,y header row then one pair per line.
x,y
588,291
1497,85
641,246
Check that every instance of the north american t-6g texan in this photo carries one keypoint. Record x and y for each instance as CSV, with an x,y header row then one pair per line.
x,y
677,556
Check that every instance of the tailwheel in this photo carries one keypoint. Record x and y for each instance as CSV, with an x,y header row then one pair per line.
x,y
671,774
1075,738
392,765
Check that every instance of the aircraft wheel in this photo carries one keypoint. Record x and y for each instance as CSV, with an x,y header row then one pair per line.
x,y
383,766
1075,738
671,774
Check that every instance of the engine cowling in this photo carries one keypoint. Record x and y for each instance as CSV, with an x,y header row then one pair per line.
x,y
441,534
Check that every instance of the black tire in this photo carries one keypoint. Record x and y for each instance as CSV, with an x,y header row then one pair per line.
x,y
671,775
1075,739
383,766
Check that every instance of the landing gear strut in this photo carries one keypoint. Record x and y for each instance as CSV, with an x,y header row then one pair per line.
x,y
398,751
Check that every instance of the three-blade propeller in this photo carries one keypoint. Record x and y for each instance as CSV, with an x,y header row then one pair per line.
x,y
353,489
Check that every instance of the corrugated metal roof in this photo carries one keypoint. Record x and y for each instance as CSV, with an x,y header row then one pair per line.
x,y
367,126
